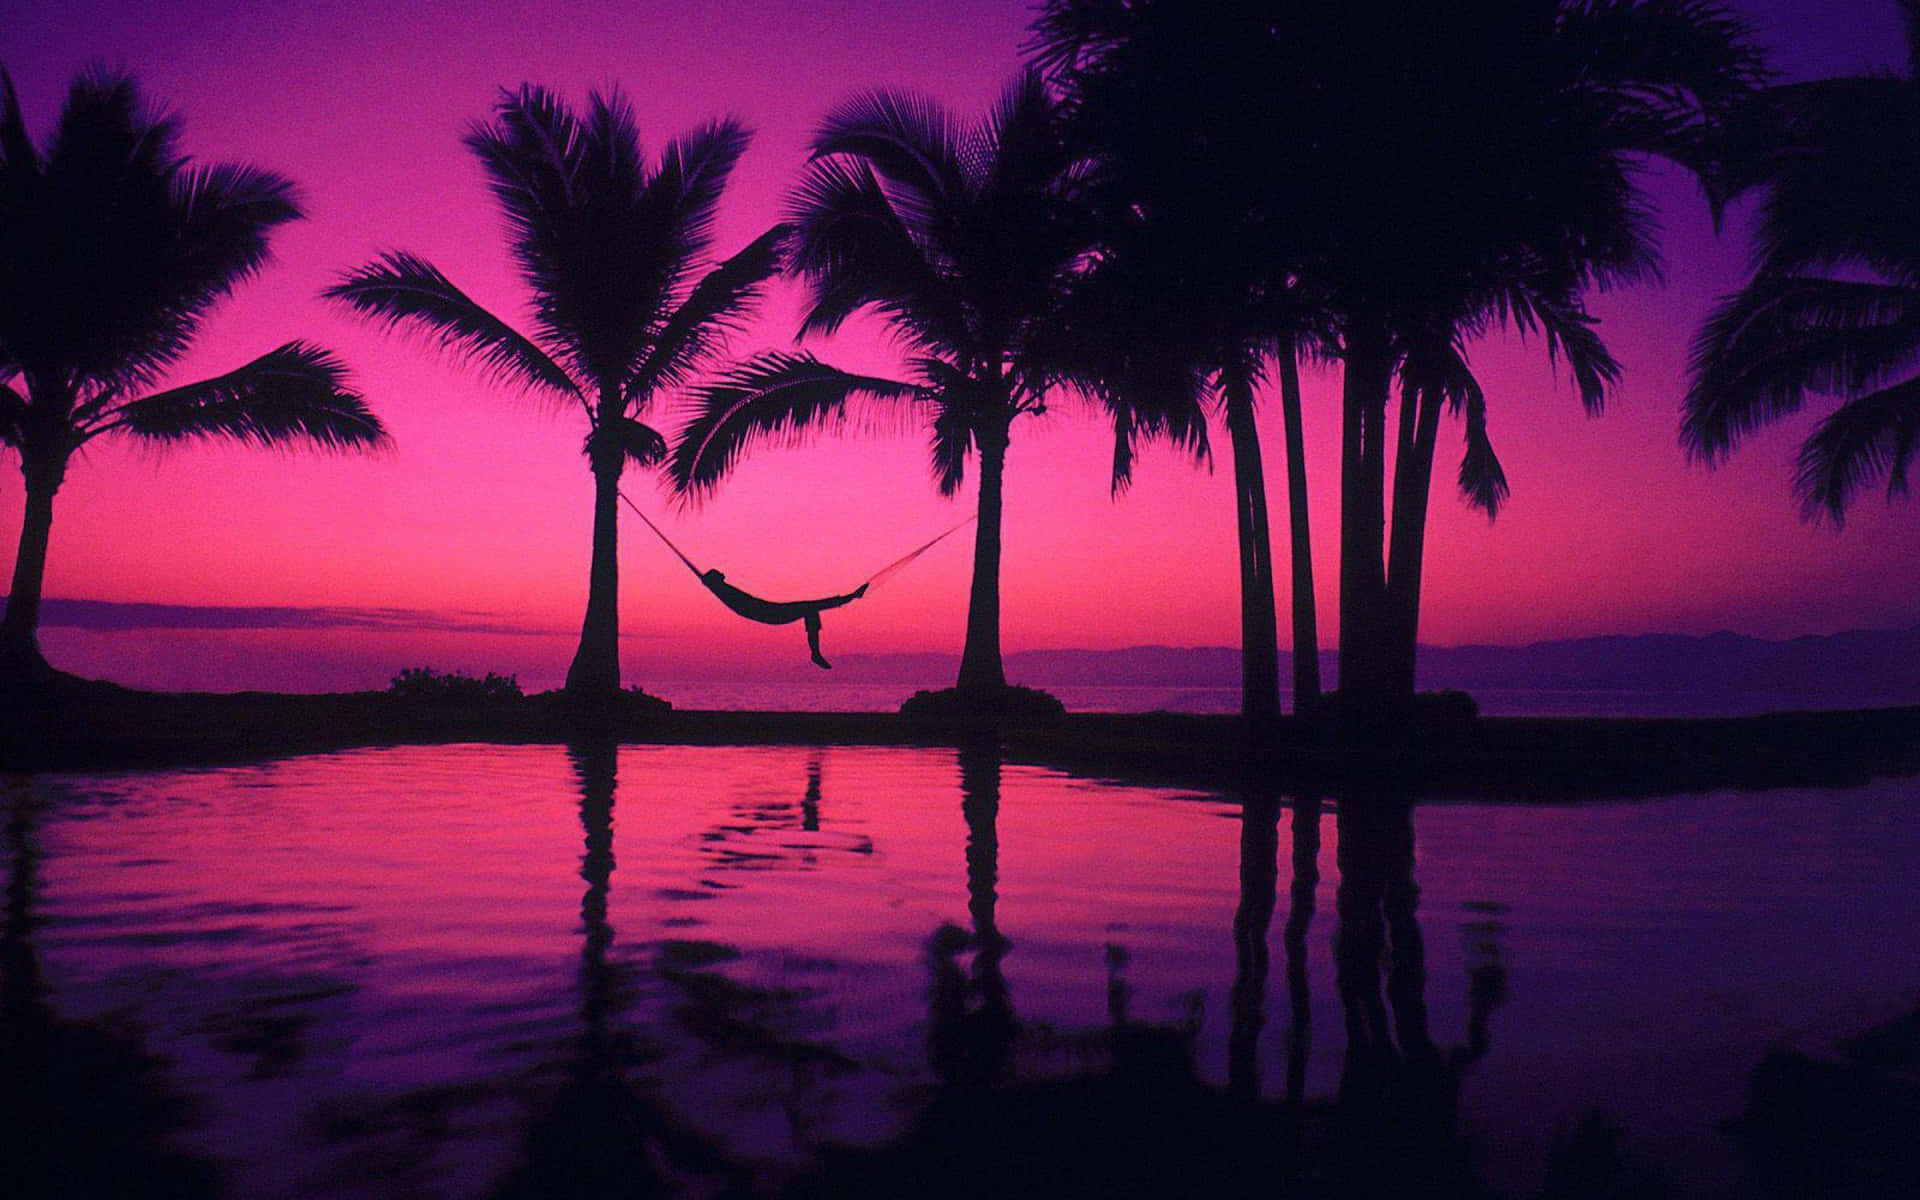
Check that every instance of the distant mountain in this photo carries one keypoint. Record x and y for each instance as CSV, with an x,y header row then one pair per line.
x,y
1879,664
1864,667
1645,673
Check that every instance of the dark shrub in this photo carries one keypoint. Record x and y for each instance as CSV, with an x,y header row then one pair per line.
x,y
426,685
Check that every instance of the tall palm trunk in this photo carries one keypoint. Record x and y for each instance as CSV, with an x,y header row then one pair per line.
x,y
981,671
596,665
1363,583
1412,485
1259,645
1306,622
20,631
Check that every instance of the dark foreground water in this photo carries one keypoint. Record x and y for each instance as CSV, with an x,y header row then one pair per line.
x,y
469,970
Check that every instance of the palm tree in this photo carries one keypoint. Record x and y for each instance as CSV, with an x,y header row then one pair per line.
x,y
1198,278
963,239
1426,173
612,249
1578,91
1472,168
1833,306
112,250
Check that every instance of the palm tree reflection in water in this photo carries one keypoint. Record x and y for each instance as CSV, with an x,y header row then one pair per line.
x,y
1306,881
1259,871
1252,918
605,1133
971,1028
86,1108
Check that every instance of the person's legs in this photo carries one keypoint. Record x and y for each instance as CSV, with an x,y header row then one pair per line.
x,y
813,641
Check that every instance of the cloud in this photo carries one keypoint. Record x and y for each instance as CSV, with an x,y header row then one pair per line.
x,y
112,616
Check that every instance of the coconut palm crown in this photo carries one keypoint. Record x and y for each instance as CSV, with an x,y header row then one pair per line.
x,y
113,248
962,238
1833,305
615,250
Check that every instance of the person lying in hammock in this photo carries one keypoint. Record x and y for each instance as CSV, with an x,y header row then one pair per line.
x,y
777,612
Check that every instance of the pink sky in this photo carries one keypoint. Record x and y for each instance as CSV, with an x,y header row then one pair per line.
x,y
484,504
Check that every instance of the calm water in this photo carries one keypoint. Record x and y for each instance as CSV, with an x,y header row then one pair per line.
x,y
833,694
481,970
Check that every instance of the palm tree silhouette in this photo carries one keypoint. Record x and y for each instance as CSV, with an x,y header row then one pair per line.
x,y
1493,184
1832,305
962,238
112,249
612,248
1427,173
1194,288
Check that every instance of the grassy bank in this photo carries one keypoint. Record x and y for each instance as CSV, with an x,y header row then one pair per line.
x,y
93,726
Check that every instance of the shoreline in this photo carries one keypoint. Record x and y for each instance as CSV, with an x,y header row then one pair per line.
x,y
103,727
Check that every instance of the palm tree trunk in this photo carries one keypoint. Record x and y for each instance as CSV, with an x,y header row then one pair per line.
x,y
1363,584
596,665
1306,622
1412,486
20,631
981,671
1259,644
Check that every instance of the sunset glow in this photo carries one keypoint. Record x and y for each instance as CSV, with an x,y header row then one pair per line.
x,y
480,515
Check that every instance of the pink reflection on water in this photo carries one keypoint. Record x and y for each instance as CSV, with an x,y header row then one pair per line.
x,y
311,939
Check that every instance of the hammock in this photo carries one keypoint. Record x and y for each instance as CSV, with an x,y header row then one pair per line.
x,y
770,612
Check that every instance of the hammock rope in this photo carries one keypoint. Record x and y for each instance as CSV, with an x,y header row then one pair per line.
x,y
900,564
874,580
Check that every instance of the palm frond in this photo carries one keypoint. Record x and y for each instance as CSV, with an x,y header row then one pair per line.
x,y
1869,438
1572,336
400,289
105,126
773,397
297,392
115,246
639,444
1686,60
1067,35
719,305
530,152
1483,481
913,142
1120,476
612,163
951,442
1835,157
1018,150
856,251
1763,349
683,196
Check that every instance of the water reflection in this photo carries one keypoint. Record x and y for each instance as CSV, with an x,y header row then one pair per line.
x,y
605,1131
1300,898
1259,872
971,1028
1007,982
86,1108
